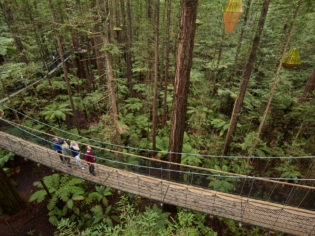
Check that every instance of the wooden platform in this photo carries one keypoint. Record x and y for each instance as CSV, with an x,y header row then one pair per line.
x,y
261,213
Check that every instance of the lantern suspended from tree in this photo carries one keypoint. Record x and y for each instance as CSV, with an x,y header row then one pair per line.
x,y
292,59
232,14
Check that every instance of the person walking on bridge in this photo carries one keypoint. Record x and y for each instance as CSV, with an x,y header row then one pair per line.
x,y
57,147
90,159
66,152
75,151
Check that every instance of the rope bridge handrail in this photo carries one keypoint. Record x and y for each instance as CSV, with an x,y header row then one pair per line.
x,y
150,150
226,174
243,209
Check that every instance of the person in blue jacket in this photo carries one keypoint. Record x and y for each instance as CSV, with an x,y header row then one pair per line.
x,y
57,146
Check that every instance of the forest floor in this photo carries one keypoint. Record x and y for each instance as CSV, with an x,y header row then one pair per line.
x,y
33,218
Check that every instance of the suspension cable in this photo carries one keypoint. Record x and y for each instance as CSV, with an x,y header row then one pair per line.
x,y
233,175
150,150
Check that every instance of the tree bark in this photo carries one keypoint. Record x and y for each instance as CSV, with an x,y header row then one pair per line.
x,y
277,78
10,200
117,21
246,76
129,53
167,52
156,74
127,41
61,54
309,87
97,42
182,76
109,69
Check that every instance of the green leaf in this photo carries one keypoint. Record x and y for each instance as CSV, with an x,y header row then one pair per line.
x,y
70,203
38,196
53,220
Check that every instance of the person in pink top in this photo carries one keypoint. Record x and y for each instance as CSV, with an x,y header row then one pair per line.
x,y
90,159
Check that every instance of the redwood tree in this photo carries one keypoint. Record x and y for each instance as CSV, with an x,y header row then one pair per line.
x,y
167,64
182,76
246,76
61,54
156,72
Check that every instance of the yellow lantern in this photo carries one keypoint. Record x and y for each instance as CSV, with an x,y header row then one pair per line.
x,y
232,14
292,59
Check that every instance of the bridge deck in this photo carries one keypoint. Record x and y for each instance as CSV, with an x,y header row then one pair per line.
x,y
261,213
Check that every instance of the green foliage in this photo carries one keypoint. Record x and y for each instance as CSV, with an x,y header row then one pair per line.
x,y
223,184
62,188
56,111
288,170
190,223
4,45
5,156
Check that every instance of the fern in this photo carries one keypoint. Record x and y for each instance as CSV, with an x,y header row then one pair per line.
x,y
38,196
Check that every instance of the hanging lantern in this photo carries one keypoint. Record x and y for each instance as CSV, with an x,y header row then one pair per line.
x,y
232,14
292,59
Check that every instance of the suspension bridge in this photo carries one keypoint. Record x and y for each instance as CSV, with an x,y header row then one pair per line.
x,y
158,182
279,204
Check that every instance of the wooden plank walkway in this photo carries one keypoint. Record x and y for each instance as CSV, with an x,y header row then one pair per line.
x,y
261,213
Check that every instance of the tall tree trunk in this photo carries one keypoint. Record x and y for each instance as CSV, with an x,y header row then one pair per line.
x,y
9,19
277,78
309,87
97,43
61,54
109,69
127,40
149,9
246,76
182,76
117,21
156,74
167,52
129,54
10,200
78,56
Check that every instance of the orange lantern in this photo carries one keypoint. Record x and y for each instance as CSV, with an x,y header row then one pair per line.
x,y
292,59
232,14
